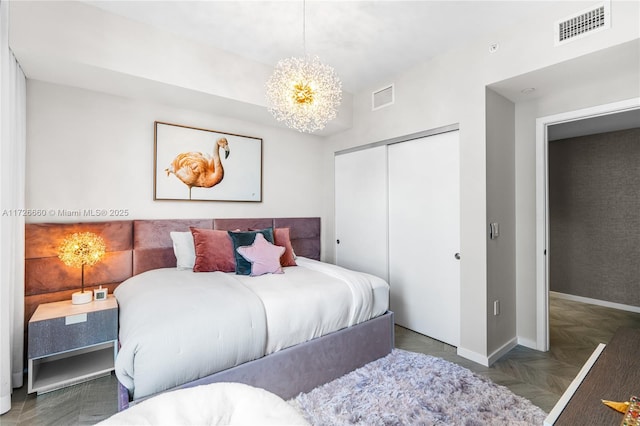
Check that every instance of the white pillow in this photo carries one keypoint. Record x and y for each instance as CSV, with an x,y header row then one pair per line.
x,y
184,249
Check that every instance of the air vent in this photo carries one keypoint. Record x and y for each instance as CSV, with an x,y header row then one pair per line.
x,y
382,98
583,23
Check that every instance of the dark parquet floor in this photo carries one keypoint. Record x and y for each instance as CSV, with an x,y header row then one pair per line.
x,y
576,329
541,377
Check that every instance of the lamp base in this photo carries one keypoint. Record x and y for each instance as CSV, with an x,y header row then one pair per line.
x,y
79,297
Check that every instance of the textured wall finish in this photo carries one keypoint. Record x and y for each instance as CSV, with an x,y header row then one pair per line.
x,y
594,204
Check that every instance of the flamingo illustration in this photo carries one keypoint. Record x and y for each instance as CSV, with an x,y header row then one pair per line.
x,y
198,169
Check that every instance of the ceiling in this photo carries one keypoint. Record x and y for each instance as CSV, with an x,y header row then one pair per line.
x,y
367,42
600,124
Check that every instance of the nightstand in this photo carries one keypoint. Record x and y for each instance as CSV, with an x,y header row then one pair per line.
x,y
70,344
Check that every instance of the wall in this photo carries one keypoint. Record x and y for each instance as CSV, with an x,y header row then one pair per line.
x,y
451,89
501,196
594,216
89,150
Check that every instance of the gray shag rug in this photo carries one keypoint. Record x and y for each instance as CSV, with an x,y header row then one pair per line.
x,y
407,388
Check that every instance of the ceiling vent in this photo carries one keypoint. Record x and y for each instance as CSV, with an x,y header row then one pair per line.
x,y
583,23
382,98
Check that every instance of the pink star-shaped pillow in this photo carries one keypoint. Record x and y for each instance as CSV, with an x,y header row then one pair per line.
x,y
264,256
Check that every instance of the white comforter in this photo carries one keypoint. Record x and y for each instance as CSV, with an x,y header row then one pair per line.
x,y
311,300
177,326
170,318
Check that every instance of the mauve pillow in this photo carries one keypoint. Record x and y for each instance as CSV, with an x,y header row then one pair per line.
x,y
263,256
281,238
214,251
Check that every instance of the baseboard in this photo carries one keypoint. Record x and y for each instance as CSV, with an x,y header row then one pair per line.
x,y
488,360
473,356
598,302
528,343
497,354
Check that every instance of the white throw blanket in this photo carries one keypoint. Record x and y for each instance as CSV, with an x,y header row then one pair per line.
x,y
215,404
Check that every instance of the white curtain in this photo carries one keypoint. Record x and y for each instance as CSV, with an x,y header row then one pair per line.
x,y
12,200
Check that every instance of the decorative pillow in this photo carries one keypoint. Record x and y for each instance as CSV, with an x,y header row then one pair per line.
x,y
281,238
243,266
263,256
184,249
214,251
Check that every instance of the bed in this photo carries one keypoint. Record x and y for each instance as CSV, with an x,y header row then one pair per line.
x,y
287,337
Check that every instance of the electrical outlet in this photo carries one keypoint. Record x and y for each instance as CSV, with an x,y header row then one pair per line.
x,y
496,307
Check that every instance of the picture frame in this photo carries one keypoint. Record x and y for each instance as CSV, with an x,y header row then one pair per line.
x,y
195,164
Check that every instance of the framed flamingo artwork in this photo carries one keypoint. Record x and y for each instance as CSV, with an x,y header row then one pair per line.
x,y
206,165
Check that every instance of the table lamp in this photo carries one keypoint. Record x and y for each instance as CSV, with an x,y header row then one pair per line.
x,y
78,250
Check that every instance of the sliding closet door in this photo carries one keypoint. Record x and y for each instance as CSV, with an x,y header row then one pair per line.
x,y
361,210
424,235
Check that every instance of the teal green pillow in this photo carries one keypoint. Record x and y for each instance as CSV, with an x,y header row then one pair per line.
x,y
246,238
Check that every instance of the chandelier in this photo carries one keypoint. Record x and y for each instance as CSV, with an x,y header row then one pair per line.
x,y
303,92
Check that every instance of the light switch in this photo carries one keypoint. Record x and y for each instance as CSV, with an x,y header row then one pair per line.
x,y
494,230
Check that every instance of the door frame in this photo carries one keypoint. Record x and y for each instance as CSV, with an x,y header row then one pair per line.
x,y
399,139
542,204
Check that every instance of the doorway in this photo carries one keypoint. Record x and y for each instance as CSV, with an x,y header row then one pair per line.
x,y
543,126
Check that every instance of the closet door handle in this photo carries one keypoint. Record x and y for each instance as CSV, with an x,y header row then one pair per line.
x,y
457,256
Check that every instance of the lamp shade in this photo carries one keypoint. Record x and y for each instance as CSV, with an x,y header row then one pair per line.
x,y
78,250
81,248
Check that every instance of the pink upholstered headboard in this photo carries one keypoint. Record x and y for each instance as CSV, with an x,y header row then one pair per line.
x,y
153,249
132,247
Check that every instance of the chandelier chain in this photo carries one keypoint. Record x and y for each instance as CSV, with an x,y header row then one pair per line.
x,y
304,27
303,92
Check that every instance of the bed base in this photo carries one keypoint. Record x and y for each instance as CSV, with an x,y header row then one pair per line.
x,y
301,368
